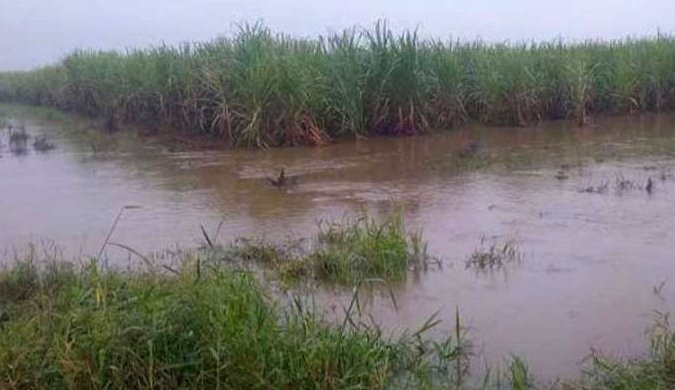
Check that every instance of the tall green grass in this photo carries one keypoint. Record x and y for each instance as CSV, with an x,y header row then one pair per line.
x,y
345,251
256,88
361,248
64,327
654,371
207,325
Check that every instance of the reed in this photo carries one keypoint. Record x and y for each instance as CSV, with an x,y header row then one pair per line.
x,y
257,88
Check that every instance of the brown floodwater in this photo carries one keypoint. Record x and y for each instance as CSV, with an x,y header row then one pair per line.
x,y
590,261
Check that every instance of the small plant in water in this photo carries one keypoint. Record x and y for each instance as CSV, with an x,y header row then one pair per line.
x,y
598,189
42,144
665,175
18,136
18,141
419,252
286,259
493,255
562,175
355,248
360,247
623,184
653,372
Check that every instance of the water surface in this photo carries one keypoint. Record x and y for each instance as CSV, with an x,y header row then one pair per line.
x,y
590,261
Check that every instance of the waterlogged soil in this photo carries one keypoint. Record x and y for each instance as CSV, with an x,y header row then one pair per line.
x,y
596,247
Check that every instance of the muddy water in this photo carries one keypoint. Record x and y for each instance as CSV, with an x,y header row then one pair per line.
x,y
590,261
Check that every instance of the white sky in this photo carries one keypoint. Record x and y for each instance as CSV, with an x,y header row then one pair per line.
x,y
37,32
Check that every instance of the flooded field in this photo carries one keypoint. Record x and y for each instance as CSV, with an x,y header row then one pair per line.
x,y
588,209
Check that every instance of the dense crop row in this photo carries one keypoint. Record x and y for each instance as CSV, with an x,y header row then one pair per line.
x,y
256,88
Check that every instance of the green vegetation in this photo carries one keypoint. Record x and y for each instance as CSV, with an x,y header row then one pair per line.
x,y
199,326
361,248
493,255
356,248
212,326
654,372
208,324
256,88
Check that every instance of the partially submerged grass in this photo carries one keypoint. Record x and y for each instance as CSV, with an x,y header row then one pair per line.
x,y
258,88
656,371
42,144
354,248
287,259
622,184
596,189
69,325
66,326
18,141
18,136
493,255
360,247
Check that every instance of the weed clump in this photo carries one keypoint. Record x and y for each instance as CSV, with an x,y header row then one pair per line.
x,y
286,259
361,248
655,371
43,144
493,255
346,251
597,189
18,141
19,136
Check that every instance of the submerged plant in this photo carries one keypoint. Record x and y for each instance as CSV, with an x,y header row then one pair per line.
x,y
19,136
359,247
621,183
43,144
493,255
18,141
597,189
346,251
656,371
286,259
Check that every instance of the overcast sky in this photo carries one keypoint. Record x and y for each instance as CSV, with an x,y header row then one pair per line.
x,y
37,32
